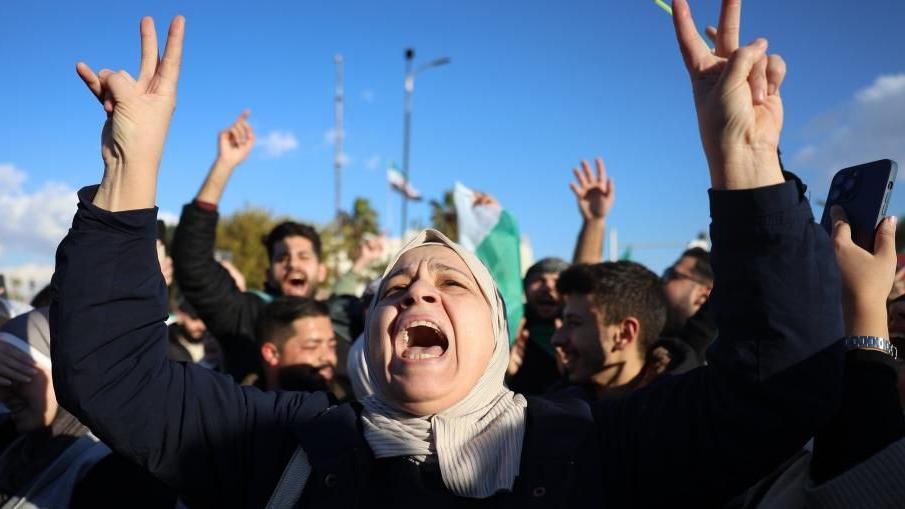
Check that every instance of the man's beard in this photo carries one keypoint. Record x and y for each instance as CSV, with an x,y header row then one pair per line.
x,y
184,333
533,317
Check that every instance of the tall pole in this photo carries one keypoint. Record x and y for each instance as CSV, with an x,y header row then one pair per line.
x,y
406,136
338,134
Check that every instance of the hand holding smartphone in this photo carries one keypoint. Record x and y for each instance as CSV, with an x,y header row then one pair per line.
x,y
863,191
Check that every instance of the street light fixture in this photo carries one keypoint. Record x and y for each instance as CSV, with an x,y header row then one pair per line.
x,y
409,85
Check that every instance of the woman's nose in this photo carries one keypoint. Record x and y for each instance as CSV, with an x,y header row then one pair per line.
x,y
420,291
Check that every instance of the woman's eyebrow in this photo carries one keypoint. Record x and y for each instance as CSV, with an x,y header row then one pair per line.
x,y
442,267
391,275
434,267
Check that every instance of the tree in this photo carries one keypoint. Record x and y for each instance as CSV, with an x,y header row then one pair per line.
x,y
342,237
443,216
241,234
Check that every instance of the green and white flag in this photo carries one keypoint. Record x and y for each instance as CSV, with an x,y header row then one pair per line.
x,y
492,234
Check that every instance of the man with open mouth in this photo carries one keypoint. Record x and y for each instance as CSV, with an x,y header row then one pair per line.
x,y
295,269
543,306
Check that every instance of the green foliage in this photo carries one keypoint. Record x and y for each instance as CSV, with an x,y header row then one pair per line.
x,y
241,234
342,237
443,216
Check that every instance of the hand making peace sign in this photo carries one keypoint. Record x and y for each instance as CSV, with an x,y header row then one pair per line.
x,y
736,91
138,116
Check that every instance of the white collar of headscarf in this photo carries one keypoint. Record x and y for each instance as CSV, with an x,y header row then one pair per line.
x,y
478,441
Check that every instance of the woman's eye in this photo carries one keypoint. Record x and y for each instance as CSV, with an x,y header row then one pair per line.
x,y
393,289
452,282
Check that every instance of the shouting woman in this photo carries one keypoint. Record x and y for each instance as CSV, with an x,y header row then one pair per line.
x,y
441,427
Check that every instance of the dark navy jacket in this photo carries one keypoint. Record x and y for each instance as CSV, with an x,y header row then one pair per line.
x,y
689,440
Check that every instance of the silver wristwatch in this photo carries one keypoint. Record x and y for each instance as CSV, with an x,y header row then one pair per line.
x,y
872,342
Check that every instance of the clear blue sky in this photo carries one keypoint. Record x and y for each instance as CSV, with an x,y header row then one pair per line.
x,y
534,86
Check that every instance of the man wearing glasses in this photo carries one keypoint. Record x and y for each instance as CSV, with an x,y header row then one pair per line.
x,y
687,285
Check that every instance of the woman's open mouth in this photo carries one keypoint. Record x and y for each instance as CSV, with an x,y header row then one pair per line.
x,y
421,339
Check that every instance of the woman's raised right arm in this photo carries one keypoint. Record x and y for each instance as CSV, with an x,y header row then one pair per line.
x,y
217,443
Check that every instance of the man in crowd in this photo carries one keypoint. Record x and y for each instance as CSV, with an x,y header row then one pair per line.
x,y
294,251
613,311
688,284
537,370
298,347
189,338
533,368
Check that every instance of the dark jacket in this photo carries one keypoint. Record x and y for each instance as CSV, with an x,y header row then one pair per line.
x,y
697,333
538,371
689,440
230,314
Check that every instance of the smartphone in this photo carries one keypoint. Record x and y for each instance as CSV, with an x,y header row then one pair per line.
x,y
863,191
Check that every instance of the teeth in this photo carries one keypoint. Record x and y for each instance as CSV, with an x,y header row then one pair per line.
x,y
422,323
417,323
419,356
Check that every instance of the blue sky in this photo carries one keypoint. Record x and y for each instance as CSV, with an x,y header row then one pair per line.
x,y
533,87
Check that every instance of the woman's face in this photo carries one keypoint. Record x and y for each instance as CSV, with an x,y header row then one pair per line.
x,y
431,331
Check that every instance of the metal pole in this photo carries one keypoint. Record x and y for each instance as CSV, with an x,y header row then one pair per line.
x,y
409,86
338,134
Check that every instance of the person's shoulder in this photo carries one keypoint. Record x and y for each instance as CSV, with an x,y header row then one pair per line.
x,y
347,315
571,401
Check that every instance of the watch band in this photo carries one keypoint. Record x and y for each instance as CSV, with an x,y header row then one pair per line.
x,y
871,342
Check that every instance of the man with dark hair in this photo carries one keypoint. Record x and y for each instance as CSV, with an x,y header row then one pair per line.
x,y
298,348
613,311
533,368
295,269
294,250
537,370
189,340
688,284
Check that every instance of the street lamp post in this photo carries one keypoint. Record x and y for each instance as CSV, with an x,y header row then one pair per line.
x,y
409,86
338,134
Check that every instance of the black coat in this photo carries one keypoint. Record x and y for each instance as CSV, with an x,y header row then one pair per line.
x,y
689,440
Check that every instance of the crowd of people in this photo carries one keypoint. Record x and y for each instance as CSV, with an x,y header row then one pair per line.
x,y
762,373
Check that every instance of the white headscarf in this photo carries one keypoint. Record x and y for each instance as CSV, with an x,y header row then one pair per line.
x,y
478,441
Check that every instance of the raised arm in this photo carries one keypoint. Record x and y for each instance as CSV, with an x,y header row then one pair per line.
x,y
138,117
595,193
775,371
227,310
848,464
191,427
233,145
